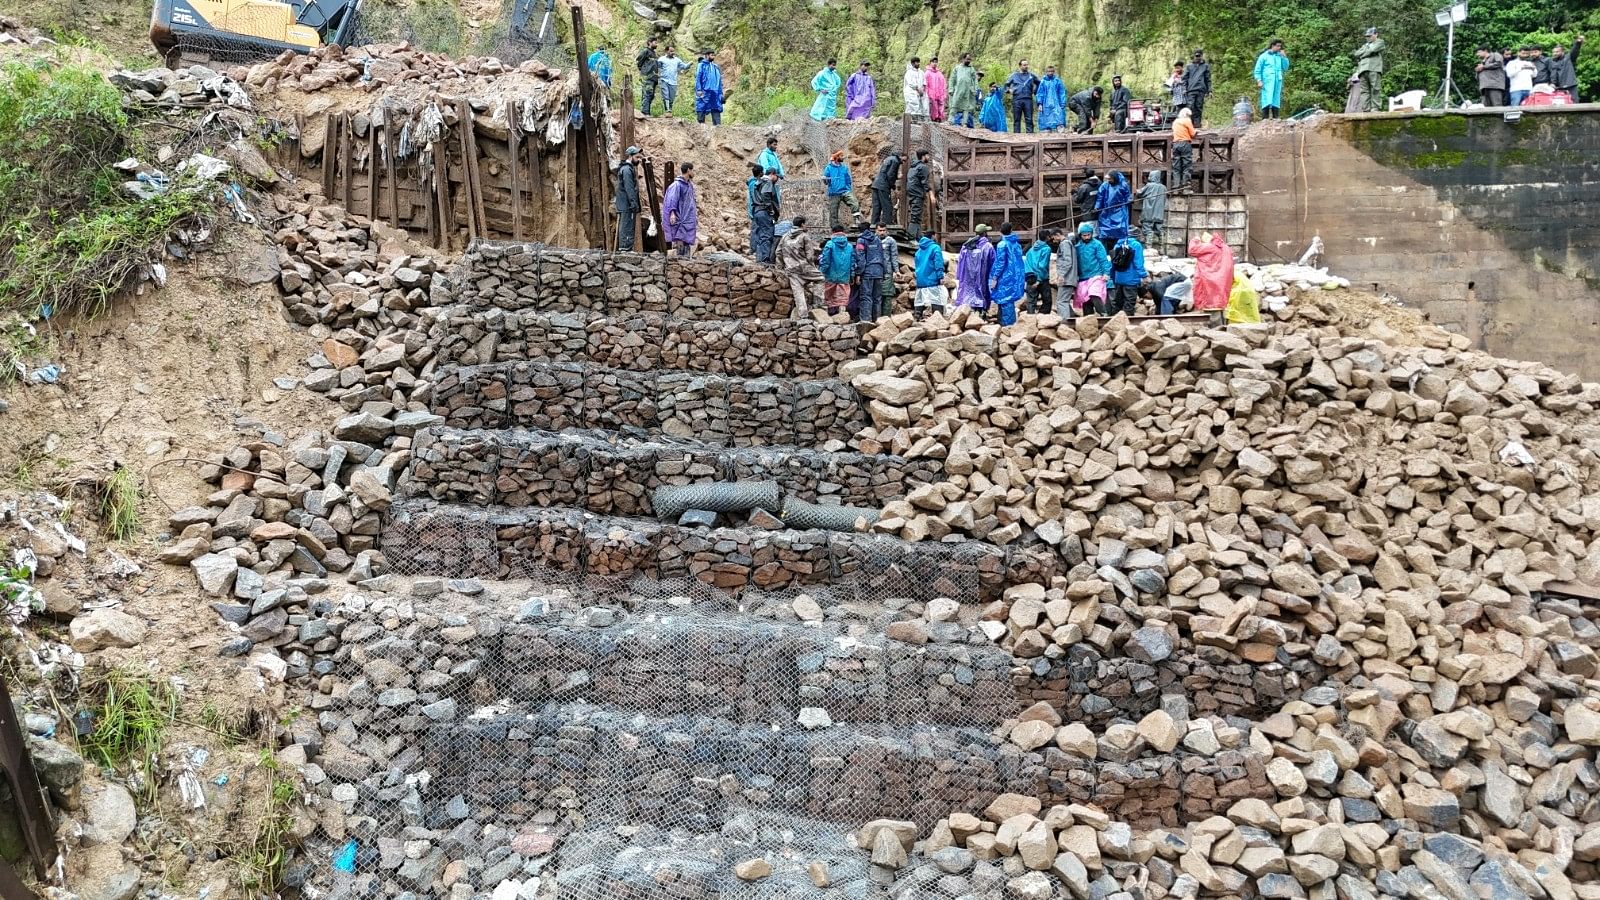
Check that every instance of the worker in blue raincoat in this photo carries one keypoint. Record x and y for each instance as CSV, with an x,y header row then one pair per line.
x,y
1271,66
708,92
1008,275
1052,98
993,116
1111,202
826,83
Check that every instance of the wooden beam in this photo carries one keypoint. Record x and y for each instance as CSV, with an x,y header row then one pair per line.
x,y
468,183
299,143
514,146
347,169
906,159
391,165
372,171
653,197
588,93
441,178
330,155
536,187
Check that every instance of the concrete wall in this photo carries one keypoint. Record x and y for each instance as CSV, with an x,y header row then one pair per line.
x,y
1491,227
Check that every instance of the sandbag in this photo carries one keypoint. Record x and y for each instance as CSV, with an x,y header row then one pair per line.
x,y
801,515
671,500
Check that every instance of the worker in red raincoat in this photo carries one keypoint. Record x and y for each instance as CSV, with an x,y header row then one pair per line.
x,y
1213,271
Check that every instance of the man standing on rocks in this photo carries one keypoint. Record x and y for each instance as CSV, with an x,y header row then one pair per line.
x,y
837,262
1369,71
1197,85
1111,204
1037,263
1182,148
797,258
914,88
768,158
918,182
964,93
871,267
1127,273
649,74
670,68
1052,100
841,189
708,95
1022,86
972,270
937,90
679,209
826,85
765,211
860,93
883,188
929,274
891,265
1094,266
627,199
1008,276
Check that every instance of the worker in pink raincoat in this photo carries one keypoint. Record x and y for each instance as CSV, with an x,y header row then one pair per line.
x,y
1213,271
938,91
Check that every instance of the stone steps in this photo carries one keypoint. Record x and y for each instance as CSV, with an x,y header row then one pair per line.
x,y
497,543
512,276
715,409
740,669
642,341
616,476
695,771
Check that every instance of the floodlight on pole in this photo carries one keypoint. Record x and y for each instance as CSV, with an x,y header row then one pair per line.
x,y
1447,18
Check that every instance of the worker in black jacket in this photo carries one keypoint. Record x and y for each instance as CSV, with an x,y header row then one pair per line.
x,y
918,183
883,189
1083,197
1121,99
1086,103
627,198
1197,85
764,215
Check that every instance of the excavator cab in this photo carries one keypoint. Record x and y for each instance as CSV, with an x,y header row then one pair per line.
x,y
245,30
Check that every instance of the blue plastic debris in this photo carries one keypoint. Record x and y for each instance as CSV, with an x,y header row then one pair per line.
x,y
345,859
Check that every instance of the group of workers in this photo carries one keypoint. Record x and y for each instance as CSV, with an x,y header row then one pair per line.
x,y
1510,77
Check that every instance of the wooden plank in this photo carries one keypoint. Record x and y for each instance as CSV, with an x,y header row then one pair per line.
x,y
659,242
586,142
906,161
514,146
372,171
347,169
536,167
299,143
468,186
391,169
27,796
330,155
441,182
475,169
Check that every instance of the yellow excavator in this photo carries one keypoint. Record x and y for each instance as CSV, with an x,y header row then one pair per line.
x,y
247,30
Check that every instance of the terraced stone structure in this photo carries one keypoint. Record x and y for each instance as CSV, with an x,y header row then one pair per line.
x,y
637,707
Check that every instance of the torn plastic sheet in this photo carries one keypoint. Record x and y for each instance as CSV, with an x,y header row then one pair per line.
x,y
1514,454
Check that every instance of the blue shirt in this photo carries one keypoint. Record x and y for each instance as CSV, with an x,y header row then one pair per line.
x,y
838,177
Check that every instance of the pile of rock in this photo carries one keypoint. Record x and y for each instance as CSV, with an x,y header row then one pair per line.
x,y
355,287
286,514
191,88
373,67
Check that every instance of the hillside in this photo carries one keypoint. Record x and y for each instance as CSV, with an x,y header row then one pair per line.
x,y
772,48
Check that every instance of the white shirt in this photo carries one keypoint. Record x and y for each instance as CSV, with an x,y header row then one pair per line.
x,y
915,90
1520,73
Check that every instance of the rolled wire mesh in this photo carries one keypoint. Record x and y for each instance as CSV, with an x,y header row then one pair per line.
x,y
672,501
798,513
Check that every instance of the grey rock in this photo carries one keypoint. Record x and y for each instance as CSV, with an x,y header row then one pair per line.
x,y
58,768
954,860
1150,644
698,518
364,428
238,646
1454,850
109,814
216,572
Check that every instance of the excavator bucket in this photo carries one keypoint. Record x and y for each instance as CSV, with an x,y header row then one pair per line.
x,y
247,30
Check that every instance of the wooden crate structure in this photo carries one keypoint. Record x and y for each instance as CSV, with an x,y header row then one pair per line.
x,y
1191,215
1029,183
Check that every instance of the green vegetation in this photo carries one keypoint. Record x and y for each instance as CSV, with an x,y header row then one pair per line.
x,y
70,237
131,719
119,504
261,864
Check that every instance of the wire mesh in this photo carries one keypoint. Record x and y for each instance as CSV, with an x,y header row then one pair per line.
x,y
603,738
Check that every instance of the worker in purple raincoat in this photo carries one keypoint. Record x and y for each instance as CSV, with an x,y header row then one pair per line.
x,y
860,93
679,210
972,270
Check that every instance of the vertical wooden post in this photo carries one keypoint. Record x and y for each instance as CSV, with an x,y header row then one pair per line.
x,y
391,166
477,221
347,169
536,183
330,155
299,143
653,197
441,184
625,133
513,175
906,159
591,146
372,171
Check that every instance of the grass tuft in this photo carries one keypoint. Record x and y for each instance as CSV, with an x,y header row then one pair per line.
x,y
262,863
131,720
119,504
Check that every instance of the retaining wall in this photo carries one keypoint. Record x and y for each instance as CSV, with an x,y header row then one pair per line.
x,y
715,409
